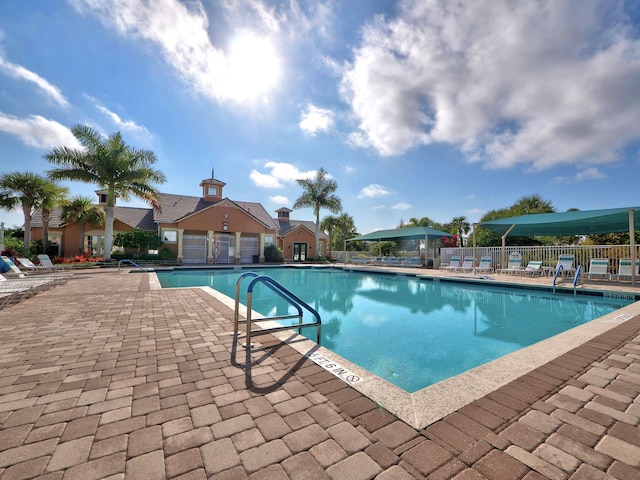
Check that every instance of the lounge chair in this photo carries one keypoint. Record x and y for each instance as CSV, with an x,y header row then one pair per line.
x,y
534,267
454,263
484,265
513,267
467,265
45,261
14,270
16,289
565,265
599,268
624,269
31,267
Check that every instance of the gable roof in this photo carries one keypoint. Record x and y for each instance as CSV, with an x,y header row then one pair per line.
x,y
581,222
287,227
135,217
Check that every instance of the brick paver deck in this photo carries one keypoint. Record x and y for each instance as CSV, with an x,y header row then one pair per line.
x,y
103,378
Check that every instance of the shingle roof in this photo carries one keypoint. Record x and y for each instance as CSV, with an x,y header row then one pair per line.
x,y
135,217
286,227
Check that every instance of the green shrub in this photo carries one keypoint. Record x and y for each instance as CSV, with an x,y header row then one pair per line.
x,y
273,254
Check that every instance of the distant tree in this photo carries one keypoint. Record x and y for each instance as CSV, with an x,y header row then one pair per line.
x,y
422,222
346,227
328,225
140,241
113,165
82,211
52,195
460,227
318,193
24,190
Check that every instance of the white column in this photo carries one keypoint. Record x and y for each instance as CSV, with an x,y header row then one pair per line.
x,y
210,246
180,234
237,254
261,248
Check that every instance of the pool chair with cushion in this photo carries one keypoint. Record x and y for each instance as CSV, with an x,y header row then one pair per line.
x,y
599,268
453,264
514,266
624,269
565,264
467,265
14,271
484,265
534,267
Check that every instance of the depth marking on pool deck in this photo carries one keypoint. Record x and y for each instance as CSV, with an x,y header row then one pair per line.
x,y
336,369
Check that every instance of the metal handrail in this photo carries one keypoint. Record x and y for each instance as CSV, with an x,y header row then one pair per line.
x,y
132,263
555,277
282,292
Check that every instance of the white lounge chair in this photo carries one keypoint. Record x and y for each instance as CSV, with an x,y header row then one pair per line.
x,y
624,269
514,266
454,263
14,270
45,261
467,265
534,267
484,265
565,265
29,266
599,268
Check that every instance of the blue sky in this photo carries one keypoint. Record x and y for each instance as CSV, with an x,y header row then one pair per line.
x,y
417,108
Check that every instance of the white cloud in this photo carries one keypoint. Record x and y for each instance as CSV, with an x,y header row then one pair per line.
x,y
37,131
401,206
535,83
372,191
19,72
246,72
127,125
349,168
279,175
315,119
590,174
279,199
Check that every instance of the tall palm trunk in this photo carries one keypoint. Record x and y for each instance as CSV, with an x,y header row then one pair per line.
x,y
108,232
46,216
27,226
81,238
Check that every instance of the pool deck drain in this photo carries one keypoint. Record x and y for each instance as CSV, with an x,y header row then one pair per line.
x,y
106,377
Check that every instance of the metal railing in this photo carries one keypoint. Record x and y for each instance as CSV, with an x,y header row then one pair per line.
x,y
282,292
132,263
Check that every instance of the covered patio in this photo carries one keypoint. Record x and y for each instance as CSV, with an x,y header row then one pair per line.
x,y
585,222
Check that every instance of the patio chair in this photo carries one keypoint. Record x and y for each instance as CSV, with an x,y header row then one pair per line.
x,y
514,265
45,261
453,264
30,266
484,265
534,267
467,265
624,269
14,271
565,265
599,268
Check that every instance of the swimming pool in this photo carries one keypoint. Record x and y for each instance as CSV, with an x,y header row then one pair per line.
x,y
410,331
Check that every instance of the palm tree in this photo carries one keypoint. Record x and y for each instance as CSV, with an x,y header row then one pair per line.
x,y
113,165
24,190
328,225
347,228
52,196
422,222
461,227
318,193
82,211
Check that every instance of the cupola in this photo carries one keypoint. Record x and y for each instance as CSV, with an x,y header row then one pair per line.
x,y
212,189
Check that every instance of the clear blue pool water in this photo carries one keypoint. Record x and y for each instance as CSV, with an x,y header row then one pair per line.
x,y
409,331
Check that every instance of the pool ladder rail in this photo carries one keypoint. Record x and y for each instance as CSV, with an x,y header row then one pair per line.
x,y
281,291
126,260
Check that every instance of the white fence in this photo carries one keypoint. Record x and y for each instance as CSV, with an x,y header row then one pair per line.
x,y
547,254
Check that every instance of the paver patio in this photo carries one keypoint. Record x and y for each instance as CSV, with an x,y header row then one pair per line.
x,y
104,378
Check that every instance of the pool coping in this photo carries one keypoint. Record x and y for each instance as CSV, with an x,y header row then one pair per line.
x,y
428,405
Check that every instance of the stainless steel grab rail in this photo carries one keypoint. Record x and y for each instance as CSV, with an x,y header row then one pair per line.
x,y
282,292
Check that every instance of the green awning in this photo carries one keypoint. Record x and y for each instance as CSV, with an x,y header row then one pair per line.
x,y
585,222
415,233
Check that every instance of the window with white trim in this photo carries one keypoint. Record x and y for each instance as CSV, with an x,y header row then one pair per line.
x,y
170,236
